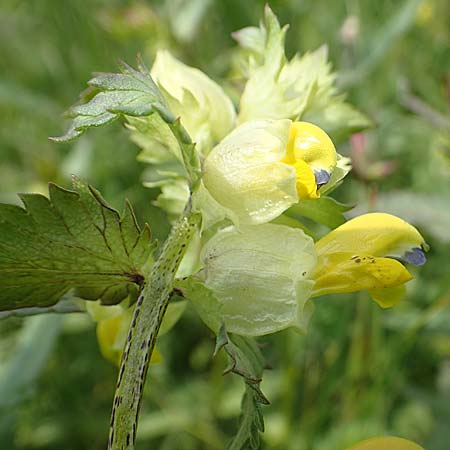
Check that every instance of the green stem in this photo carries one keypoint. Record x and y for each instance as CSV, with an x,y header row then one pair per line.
x,y
150,309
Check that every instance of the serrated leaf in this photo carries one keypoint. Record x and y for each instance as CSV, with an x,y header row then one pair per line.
x,y
247,361
251,424
324,210
72,240
131,94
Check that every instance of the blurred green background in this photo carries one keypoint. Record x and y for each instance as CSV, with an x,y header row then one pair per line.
x,y
360,371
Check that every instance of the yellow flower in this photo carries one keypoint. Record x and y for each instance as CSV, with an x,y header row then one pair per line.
x,y
114,321
265,166
259,279
311,152
388,443
425,13
111,335
364,254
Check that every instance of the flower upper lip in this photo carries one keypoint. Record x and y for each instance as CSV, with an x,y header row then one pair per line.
x,y
363,254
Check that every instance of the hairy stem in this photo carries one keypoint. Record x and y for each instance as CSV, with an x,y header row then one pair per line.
x,y
150,309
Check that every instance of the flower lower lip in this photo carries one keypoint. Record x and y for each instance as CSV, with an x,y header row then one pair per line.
x,y
415,256
322,177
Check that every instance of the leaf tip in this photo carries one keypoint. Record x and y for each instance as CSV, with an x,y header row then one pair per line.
x,y
70,135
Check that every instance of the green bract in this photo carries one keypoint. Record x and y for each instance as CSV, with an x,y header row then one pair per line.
x,y
302,88
259,279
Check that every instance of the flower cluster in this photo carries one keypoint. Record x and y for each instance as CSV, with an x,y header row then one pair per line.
x,y
251,268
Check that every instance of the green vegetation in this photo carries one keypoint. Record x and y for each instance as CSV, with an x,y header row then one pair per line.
x,y
360,371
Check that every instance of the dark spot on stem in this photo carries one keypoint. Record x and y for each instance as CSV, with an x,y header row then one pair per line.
x,y
136,278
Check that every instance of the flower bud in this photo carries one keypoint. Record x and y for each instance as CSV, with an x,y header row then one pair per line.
x,y
205,110
265,166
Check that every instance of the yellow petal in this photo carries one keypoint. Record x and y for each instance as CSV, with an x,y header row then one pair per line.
x,y
306,182
309,143
111,338
311,152
386,443
388,297
107,331
349,272
376,234
156,357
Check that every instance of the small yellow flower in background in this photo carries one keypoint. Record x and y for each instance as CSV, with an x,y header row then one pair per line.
x,y
386,443
265,166
113,323
363,254
425,13
111,335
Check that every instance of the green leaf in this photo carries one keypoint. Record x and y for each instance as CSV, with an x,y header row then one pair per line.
x,y
251,423
247,361
262,45
112,94
131,94
343,167
324,210
72,240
